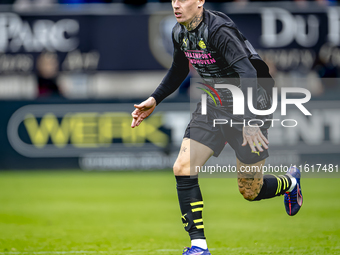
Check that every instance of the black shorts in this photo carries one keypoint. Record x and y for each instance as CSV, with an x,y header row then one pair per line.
x,y
201,129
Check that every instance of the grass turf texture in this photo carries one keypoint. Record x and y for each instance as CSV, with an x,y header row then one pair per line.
x,y
137,213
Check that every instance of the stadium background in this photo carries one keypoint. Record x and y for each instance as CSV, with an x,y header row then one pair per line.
x,y
96,61
70,73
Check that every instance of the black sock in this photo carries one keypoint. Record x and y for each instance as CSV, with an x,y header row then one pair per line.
x,y
274,186
191,204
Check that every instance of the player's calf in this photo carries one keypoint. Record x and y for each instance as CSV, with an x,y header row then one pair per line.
x,y
254,186
250,179
191,204
250,187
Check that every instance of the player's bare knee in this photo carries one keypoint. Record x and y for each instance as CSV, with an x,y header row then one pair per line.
x,y
176,169
250,179
180,168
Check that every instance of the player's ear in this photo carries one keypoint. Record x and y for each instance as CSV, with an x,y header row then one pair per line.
x,y
200,3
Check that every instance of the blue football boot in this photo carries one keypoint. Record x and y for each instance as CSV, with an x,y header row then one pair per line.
x,y
293,200
195,251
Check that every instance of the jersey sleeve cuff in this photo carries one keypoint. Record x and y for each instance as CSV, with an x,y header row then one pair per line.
x,y
157,98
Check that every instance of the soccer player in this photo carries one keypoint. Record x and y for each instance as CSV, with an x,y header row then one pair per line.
x,y
211,42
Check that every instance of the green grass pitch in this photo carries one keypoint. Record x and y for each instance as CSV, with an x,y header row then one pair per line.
x,y
74,212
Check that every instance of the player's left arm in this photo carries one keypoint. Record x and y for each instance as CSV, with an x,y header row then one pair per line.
x,y
229,42
252,135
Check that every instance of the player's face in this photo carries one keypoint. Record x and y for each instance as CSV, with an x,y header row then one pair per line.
x,y
186,10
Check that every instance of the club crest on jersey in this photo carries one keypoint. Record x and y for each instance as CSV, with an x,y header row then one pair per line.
x,y
202,44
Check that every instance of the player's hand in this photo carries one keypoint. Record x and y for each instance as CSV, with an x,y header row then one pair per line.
x,y
142,111
254,137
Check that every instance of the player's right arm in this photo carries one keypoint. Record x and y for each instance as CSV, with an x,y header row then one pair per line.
x,y
142,111
172,80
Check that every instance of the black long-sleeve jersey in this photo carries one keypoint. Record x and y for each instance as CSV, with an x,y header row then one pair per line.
x,y
219,53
